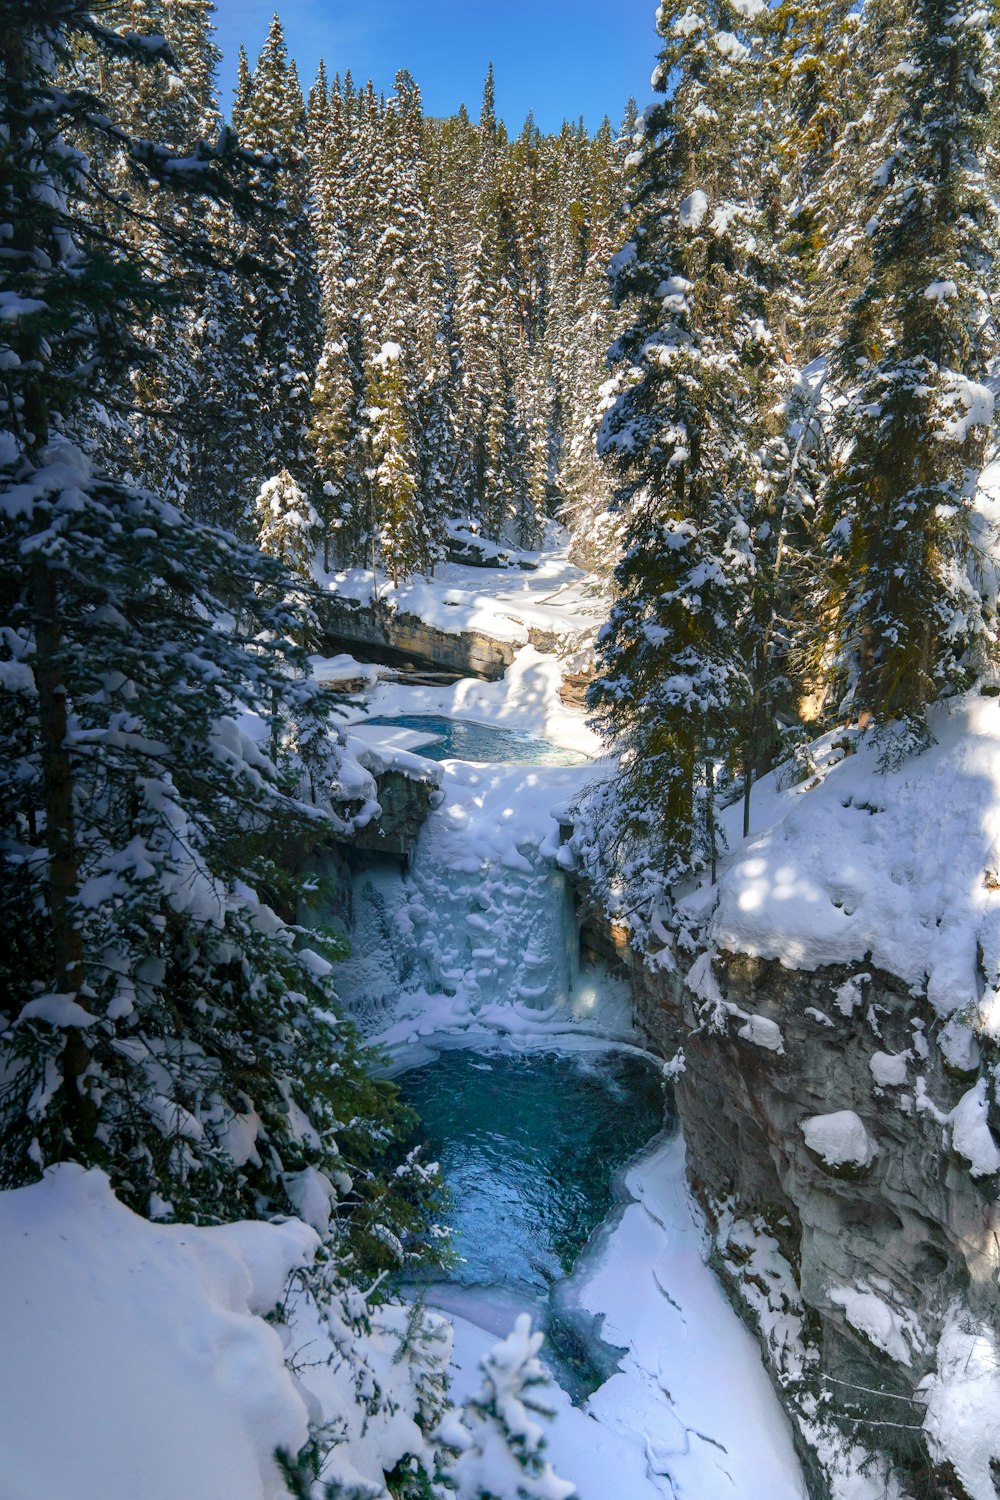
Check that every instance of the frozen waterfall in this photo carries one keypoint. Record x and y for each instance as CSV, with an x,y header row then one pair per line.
x,y
481,928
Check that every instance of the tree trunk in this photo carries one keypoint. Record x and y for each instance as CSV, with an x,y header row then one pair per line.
x,y
710,818
60,834
57,778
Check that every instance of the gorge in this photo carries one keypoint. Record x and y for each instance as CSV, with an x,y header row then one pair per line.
x,y
859,1272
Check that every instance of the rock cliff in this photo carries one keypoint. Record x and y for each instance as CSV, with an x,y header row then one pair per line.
x,y
395,638
838,1138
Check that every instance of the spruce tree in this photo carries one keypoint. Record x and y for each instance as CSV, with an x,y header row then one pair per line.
x,y
165,1018
287,525
899,599
406,541
279,329
148,426
674,681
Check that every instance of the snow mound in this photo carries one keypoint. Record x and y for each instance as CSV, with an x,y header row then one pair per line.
x,y
888,1069
840,1139
135,1361
873,1317
899,870
970,1132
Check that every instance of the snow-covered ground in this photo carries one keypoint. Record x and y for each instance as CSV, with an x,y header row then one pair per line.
x,y
899,868
550,595
133,1357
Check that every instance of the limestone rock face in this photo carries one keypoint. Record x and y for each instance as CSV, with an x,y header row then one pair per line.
x,y
405,802
880,1249
395,639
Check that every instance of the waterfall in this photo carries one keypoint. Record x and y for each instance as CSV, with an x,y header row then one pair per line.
x,y
481,926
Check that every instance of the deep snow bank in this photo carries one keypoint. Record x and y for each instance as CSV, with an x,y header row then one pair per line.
x,y
134,1362
900,870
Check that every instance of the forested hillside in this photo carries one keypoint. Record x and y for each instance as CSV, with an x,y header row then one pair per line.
x,y
807,402
417,335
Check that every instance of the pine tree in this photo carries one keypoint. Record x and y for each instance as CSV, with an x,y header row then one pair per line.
x,y
674,681
406,541
493,436
279,328
166,1018
149,426
286,523
502,1444
899,599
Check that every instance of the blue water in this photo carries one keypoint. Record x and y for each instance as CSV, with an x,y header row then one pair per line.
x,y
462,740
529,1147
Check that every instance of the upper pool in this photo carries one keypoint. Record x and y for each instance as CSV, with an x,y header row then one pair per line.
x,y
460,739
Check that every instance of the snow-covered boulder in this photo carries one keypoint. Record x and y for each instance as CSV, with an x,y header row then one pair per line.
x,y
840,1139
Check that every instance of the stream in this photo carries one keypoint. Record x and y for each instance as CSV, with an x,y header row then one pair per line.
x,y
556,1136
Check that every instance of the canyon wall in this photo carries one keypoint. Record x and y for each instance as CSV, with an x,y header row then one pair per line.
x,y
850,1271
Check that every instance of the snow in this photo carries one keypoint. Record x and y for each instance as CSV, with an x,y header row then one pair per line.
x,y
958,1045
472,940
966,404
692,210
888,1069
134,1362
730,46
312,1195
873,1317
551,596
940,291
487,1465
970,1132
762,1032
896,870
962,1419
334,670
390,738
57,1010
840,1139
688,23
691,1393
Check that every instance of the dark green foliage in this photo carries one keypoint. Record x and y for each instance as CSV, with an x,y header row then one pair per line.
x,y
900,594
166,1017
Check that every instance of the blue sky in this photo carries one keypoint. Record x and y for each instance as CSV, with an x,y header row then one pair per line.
x,y
559,58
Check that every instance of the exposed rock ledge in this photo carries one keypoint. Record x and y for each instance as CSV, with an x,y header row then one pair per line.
x,y
395,639
849,1271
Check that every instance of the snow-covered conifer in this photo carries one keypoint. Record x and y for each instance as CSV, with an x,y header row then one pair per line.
x,y
287,525
674,671
500,1441
406,541
899,598
164,1017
